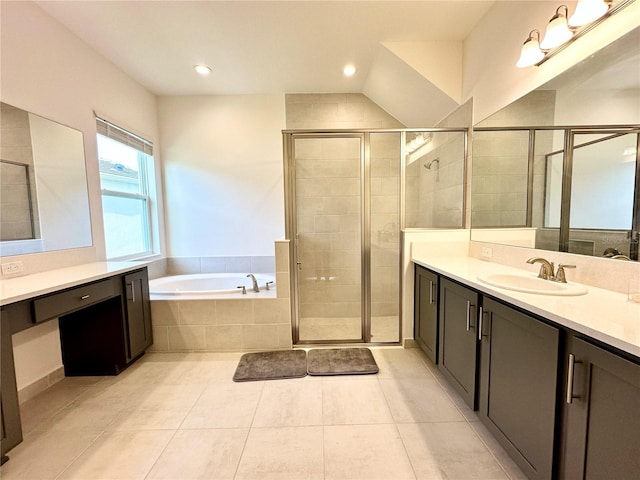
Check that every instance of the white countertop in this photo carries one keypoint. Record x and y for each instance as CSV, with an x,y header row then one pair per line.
x,y
28,286
601,314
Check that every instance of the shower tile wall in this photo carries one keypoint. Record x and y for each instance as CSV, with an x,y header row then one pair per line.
x,y
15,211
499,189
241,324
500,166
335,110
385,236
329,229
356,111
434,195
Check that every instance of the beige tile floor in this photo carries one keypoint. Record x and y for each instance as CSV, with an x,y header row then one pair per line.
x,y
180,416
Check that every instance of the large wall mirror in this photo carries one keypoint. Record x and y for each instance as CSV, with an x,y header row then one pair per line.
x,y
44,202
559,169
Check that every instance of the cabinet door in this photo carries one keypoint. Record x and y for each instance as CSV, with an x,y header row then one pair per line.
x,y
138,318
426,312
601,424
518,386
457,337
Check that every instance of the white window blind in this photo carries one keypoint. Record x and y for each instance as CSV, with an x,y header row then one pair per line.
x,y
116,133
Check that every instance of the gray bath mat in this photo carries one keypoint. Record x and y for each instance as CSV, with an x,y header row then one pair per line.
x,y
341,361
271,365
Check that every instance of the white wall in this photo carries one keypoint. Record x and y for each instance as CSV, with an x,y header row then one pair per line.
x,y
493,47
50,72
223,168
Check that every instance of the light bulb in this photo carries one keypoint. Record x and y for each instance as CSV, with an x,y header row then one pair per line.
x,y
588,11
202,69
557,31
530,53
349,70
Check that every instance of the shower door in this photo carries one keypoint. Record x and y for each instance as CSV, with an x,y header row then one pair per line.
x,y
343,217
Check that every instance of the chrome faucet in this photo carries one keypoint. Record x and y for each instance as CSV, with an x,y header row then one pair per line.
x,y
546,268
255,283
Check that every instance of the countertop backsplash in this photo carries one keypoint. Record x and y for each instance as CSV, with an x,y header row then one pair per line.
x,y
614,275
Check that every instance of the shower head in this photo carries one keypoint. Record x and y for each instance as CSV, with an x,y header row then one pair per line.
x,y
428,165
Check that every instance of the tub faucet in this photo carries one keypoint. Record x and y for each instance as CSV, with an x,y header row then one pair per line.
x,y
546,268
255,283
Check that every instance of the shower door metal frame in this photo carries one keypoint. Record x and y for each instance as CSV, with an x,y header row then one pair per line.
x,y
289,138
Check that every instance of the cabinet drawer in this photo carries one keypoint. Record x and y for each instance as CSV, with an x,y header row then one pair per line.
x,y
70,300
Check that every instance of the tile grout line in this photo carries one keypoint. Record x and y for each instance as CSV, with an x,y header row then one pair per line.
x,y
175,432
395,425
251,427
467,421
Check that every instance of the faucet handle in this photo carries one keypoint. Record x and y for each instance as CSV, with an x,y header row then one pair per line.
x,y
268,283
546,267
560,276
244,289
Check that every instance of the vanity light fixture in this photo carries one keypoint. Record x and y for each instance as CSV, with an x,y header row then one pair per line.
x,y
558,31
531,52
349,70
561,32
420,140
202,69
588,11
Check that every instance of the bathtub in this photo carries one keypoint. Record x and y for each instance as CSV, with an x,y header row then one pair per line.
x,y
210,286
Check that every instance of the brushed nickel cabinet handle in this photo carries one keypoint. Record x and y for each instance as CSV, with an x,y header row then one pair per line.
x,y
480,318
430,292
570,375
468,315
133,291
84,297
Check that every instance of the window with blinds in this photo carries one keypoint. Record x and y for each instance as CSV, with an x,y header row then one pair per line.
x,y
126,162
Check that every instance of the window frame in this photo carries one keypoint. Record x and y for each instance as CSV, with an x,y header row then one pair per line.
x,y
143,147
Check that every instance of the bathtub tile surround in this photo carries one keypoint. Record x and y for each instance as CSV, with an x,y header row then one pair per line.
x,y
227,264
255,321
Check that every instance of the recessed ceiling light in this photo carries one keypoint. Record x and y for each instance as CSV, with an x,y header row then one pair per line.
x,y
202,69
349,70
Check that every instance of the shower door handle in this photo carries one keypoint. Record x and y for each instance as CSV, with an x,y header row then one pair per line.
x,y
298,262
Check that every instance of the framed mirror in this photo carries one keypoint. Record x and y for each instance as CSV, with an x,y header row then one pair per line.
x,y
44,205
559,168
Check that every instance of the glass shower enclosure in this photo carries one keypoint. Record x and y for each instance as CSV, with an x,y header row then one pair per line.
x,y
344,216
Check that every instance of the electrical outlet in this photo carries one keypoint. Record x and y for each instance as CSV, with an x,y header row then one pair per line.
x,y
12,268
487,252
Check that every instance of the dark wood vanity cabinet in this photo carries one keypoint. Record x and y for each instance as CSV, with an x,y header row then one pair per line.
x,y
138,318
426,312
503,363
104,326
518,385
601,414
561,406
103,338
458,343
11,431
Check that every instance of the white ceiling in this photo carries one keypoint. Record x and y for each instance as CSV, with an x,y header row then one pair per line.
x,y
259,46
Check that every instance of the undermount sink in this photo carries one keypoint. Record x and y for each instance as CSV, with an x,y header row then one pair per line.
x,y
530,283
